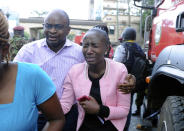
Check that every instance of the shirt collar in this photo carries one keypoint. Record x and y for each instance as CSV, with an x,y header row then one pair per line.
x,y
106,69
67,43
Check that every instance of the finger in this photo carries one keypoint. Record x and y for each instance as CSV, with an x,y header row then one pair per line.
x,y
81,102
125,88
129,76
124,92
122,89
126,85
133,78
91,98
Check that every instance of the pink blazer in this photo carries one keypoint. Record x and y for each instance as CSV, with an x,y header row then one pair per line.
x,y
77,84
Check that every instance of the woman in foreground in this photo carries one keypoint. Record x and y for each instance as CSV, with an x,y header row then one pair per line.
x,y
25,88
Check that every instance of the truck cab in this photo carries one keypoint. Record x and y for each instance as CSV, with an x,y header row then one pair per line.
x,y
165,26
164,42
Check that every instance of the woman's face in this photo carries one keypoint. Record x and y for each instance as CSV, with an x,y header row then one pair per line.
x,y
94,48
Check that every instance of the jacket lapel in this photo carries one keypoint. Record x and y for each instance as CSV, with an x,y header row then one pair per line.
x,y
87,83
104,84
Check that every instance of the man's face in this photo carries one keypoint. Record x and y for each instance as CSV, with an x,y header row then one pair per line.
x,y
56,29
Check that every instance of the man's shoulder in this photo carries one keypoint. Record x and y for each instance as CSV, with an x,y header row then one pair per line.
x,y
120,47
73,45
37,43
133,45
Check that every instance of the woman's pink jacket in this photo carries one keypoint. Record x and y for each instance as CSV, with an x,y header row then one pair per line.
x,y
77,84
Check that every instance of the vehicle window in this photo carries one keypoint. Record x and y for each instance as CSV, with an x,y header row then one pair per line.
x,y
157,2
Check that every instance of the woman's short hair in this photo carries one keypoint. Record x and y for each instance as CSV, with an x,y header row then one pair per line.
x,y
102,27
4,34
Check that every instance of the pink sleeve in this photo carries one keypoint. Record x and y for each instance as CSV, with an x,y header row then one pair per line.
x,y
123,101
68,96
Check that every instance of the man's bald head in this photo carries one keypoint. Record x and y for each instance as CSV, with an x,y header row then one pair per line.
x,y
58,13
56,28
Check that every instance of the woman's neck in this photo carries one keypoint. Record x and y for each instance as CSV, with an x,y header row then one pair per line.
x,y
4,67
96,71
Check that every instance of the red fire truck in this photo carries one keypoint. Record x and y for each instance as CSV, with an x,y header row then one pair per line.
x,y
164,41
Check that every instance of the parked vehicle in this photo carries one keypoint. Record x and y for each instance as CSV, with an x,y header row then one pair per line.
x,y
78,38
164,42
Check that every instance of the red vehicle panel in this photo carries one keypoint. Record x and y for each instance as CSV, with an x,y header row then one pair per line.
x,y
163,31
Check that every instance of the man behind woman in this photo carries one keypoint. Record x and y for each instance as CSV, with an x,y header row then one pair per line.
x,y
106,108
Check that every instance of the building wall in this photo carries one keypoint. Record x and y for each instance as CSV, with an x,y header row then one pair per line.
x,y
117,18
111,21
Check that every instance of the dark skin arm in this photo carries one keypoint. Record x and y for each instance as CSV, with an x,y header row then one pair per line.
x,y
128,85
54,114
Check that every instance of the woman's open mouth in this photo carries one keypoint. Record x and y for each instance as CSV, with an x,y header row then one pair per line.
x,y
90,59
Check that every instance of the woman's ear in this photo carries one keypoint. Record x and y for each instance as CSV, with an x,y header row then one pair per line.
x,y
106,50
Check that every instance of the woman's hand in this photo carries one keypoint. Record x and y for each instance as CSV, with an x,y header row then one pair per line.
x,y
128,85
90,106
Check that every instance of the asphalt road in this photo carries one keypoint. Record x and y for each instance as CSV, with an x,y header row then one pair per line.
x,y
137,120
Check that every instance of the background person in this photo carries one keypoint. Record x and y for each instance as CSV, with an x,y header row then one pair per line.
x,y
25,88
107,108
126,53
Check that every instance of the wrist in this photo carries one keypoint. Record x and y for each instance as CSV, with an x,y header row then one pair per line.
x,y
103,111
